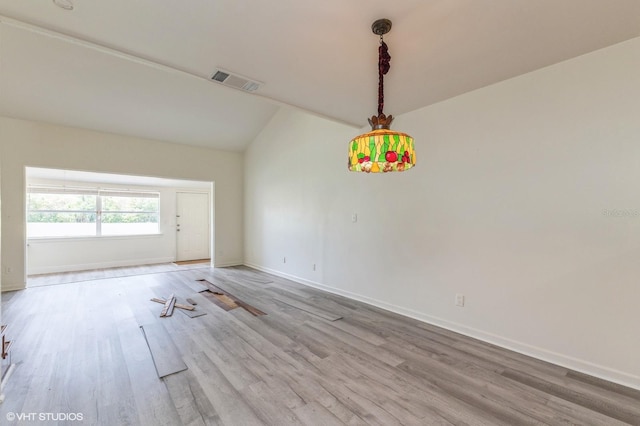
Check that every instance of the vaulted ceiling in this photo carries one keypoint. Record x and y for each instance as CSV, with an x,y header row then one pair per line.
x,y
142,67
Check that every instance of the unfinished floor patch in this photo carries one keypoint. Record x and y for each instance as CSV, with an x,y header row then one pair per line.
x,y
226,300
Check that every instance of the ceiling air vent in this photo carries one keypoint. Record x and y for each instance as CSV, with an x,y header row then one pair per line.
x,y
235,80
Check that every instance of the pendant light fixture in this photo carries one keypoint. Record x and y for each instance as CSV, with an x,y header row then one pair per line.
x,y
381,149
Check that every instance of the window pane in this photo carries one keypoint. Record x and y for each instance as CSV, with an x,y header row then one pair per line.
x,y
61,224
129,223
61,202
129,204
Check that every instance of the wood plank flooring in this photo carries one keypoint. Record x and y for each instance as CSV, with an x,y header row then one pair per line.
x,y
104,273
79,349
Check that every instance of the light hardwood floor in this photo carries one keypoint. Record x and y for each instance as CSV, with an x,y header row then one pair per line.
x,y
79,349
104,273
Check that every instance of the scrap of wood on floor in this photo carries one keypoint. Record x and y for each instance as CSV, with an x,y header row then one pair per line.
x,y
177,305
166,356
193,314
169,305
186,309
226,300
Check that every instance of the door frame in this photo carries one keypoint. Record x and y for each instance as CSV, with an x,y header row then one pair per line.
x,y
211,218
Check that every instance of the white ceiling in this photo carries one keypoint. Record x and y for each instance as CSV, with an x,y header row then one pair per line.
x,y
141,67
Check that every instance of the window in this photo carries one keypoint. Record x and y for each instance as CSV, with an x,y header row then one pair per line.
x,y
81,212
129,213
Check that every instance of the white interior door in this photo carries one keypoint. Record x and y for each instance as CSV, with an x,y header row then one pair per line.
x,y
192,226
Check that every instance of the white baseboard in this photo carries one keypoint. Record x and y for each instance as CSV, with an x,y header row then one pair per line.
x,y
99,265
562,360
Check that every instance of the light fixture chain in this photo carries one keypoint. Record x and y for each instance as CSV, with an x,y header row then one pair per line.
x,y
383,67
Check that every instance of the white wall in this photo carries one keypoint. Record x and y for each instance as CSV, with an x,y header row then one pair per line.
x,y
505,206
47,255
26,143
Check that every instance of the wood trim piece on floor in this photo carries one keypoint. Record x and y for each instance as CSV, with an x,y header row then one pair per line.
x,y
191,262
166,357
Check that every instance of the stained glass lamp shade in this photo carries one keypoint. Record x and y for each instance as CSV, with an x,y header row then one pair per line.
x,y
381,150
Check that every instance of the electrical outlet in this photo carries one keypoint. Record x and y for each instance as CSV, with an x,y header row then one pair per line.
x,y
460,300
284,260
354,217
